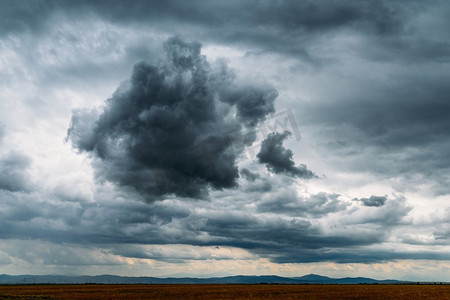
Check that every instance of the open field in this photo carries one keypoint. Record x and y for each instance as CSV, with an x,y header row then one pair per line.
x,y
224,291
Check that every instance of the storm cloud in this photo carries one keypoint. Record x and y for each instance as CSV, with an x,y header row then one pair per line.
x,y
172,132
279,159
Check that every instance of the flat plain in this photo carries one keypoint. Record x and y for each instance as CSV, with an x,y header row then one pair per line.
x,y
224,291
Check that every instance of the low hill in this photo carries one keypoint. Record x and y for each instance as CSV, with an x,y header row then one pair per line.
x,y
112,279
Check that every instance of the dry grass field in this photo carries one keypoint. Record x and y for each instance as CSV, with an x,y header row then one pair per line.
x,y
224,291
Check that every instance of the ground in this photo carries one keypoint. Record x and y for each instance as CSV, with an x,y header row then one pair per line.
x,y
225,291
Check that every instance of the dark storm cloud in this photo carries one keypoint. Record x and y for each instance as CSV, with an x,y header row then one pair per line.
x,y
171,131
287,27
289,16
297,239
279,159
251,232
20,16
360,256
124,222
376,201
13,172
279,237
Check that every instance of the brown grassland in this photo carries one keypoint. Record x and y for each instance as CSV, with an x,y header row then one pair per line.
x,y
224,291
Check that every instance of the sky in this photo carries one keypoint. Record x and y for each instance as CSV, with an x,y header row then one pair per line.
x,y
214,138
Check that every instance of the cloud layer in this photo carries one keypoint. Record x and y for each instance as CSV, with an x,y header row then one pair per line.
x,y
184,165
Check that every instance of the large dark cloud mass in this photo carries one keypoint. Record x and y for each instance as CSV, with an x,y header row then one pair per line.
x,y
172,131
279,159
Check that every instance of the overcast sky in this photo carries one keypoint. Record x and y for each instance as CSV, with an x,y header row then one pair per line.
x,y
206,138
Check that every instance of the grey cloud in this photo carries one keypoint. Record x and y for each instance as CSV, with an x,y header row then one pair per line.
x,y
28,15
13,172
127,222
15,209
283,240
81,132
254,182
174,253
370,129
130,221
262,186
442,234
396,116
35,216
292,27
408,49
375,201
287,27
249,175
360,256
56,254
279,159
293,205
381,17
413,43
344,242
2,133
166,134
445,235
391,214
5,259
41,216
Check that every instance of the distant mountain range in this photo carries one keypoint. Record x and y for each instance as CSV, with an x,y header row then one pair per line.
x,y
111,279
